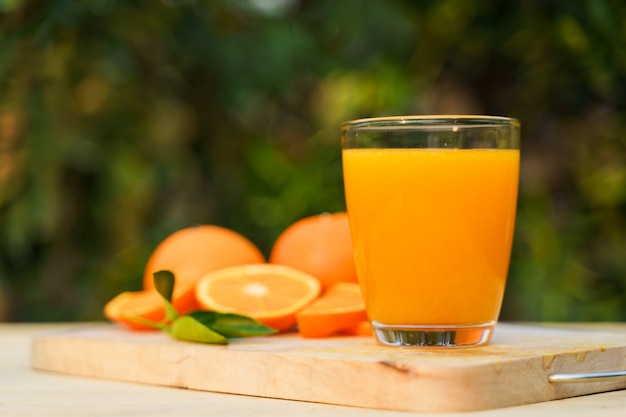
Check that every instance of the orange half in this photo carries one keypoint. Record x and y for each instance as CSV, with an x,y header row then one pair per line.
x,y
340,308
271,294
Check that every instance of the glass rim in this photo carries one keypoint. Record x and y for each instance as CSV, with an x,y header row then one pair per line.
x,y
425,121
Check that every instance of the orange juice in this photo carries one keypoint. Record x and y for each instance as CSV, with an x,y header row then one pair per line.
x,y
432,231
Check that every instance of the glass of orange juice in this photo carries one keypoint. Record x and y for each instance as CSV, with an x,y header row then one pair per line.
x,y
431,202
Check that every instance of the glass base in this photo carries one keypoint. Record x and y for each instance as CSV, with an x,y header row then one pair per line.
x,y
433,336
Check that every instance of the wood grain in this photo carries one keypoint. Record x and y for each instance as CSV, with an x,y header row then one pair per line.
x,y
352,371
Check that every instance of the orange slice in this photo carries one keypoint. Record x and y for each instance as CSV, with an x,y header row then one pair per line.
x,y
271,294
147,305
341,307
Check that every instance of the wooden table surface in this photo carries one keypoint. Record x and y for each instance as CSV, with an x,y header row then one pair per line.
x,y
26,392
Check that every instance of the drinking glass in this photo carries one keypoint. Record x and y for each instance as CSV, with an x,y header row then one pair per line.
x,y
431,202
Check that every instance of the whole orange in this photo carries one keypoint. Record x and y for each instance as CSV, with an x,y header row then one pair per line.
x,y
319,245
193,252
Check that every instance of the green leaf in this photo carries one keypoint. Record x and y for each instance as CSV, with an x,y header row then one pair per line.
x,y
164,284
189,329
232,325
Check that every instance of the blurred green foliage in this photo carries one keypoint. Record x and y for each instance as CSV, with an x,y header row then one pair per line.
x,y
123,121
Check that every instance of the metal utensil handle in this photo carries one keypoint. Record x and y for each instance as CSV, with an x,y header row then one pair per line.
x,y
587,377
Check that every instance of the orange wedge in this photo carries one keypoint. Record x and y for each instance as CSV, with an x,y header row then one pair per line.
x,y
363,328
341,307
271,294
147,305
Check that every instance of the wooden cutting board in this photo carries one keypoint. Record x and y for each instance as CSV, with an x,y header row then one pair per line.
x,y
352,371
